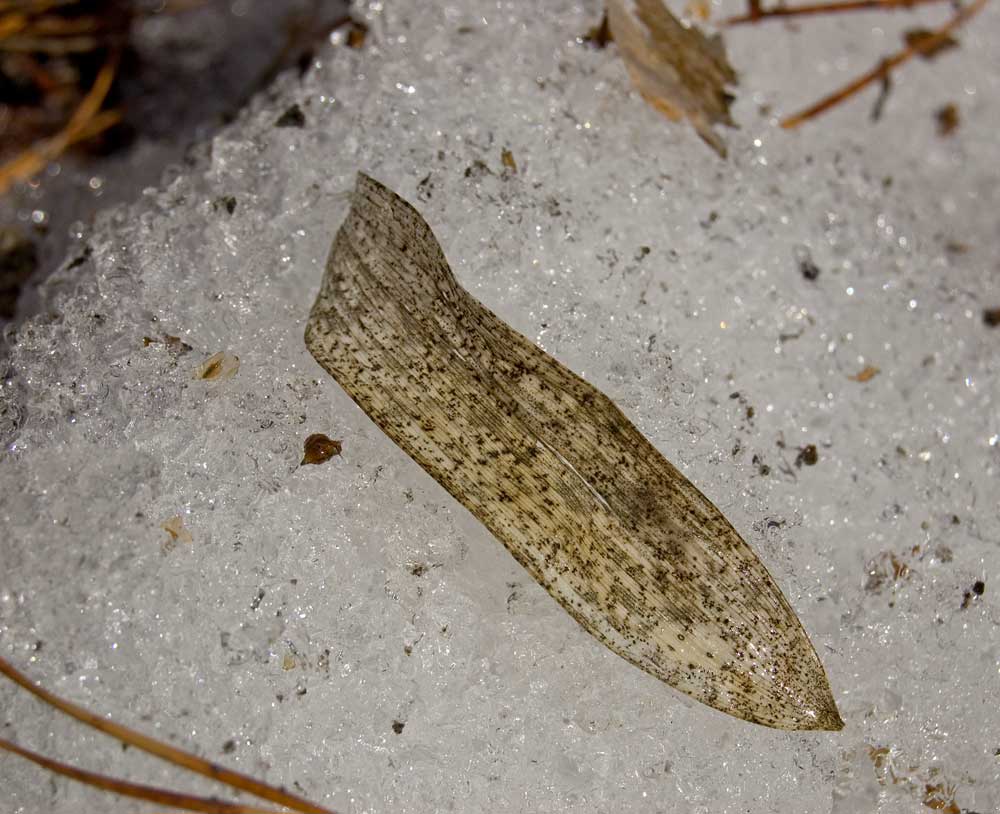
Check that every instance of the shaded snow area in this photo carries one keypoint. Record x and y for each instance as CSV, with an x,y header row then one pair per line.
x,y
799,328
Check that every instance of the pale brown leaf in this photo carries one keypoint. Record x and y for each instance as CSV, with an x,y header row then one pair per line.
x,y
679,71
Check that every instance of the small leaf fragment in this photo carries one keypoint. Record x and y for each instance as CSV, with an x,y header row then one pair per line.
x,y
507,159
227,202
218,367
947,119
319,449
808,455
678,70
357,35
866,374
353,33
174,344
178,534
600,35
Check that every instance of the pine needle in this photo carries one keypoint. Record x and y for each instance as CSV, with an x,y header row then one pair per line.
x,y
164,751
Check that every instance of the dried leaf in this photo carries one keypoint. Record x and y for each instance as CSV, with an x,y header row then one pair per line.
x,y
218,367
678,70
619,537
940,797
319,449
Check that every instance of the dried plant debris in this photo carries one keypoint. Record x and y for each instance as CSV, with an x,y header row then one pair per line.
x,y
507,159
927,43
218,367
888,572
600,35
977,590
227,202
807,455
947,119
698,10
349,31
918,42
618,536
866,374
678,70
174,344
885,90
319,449
932,786
164,751
357,34
58,66
174,527
889,569
807,268
293,117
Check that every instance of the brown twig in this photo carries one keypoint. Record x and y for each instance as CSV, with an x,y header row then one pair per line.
x,y
924,45
171,754
756,12
188,802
